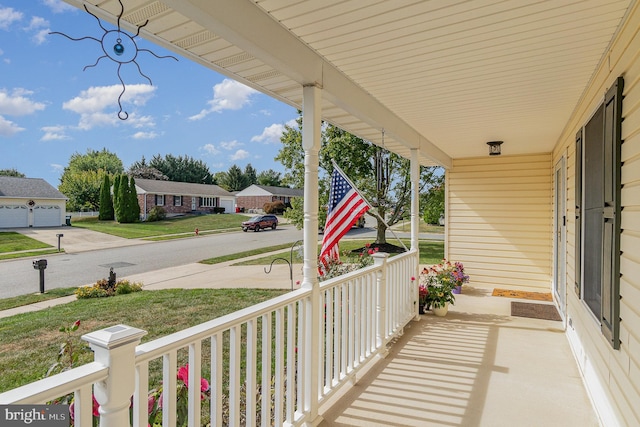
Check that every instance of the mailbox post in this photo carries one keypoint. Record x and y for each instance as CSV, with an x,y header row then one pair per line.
x,y
59,236
40,264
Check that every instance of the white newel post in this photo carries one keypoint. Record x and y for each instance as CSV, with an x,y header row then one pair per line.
x,y
415,225
311,134
380,260
115,348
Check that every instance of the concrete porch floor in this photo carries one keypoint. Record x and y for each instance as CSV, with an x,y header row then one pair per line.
x,y
478,366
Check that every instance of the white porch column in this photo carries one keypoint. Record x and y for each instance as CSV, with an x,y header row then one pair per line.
x,y
115,347
415,223
311,122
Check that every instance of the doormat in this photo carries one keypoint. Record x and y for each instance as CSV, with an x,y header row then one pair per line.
x,y
538,296
534,310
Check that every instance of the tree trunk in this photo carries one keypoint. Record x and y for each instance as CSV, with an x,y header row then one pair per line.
x,y
381,235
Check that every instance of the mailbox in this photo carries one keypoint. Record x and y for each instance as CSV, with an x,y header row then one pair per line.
x,y
40,264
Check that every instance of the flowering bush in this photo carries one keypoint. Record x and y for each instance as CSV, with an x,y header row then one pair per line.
x,y
102,288
155,399
438,281
349,262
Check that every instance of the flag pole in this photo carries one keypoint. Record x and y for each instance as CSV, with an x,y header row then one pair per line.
x,y
371,210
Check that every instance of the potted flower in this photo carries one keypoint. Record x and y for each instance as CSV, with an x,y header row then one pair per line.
x,y
438,285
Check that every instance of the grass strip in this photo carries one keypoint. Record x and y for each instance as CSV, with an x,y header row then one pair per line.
x,y
21,300
11,241
29,254
231,257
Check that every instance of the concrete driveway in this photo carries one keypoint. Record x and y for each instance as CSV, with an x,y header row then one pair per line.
x,y
76,239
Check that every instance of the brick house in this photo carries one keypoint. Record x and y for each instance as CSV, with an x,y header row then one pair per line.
x,y
255,196
182,197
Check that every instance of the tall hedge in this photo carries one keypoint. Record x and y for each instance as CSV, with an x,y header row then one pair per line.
x,y
133,205
116,187
122,199
106,212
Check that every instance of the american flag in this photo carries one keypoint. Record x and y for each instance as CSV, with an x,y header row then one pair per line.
x,y
345,207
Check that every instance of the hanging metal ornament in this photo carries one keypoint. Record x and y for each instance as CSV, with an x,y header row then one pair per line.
x,y
119,47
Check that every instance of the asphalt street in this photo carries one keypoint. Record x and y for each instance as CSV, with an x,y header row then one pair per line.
x,y
18,277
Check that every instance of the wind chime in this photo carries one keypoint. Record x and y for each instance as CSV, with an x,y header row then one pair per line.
x,y
119,47
381,164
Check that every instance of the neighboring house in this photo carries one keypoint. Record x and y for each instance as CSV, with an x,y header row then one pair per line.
x,y
255,196
182,197
30,202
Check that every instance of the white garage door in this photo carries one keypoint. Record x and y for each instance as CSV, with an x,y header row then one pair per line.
x,y
46,216
227,205
12,216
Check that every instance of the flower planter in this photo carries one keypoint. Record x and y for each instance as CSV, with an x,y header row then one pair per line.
x,y
441,311
457,289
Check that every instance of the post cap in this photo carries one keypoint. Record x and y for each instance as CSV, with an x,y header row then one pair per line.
x,y
114,336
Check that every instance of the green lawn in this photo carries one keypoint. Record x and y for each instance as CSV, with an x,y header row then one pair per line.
x,y
422,226
30,341
177,225
11,241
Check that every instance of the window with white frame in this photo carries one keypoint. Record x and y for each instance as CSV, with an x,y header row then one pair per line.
x,y
208,202
177,200
159,199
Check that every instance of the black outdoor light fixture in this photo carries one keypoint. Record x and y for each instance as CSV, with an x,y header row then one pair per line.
x,y
494,147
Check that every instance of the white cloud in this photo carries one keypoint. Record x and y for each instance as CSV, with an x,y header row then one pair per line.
x,y
53,133
56,167
145,135
8,128
230,145
16,103
41,28
239,155
227,95
92,103
210,149
58,6
271,134
8,16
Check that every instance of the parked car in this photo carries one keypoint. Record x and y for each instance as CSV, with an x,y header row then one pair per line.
x,y
260,222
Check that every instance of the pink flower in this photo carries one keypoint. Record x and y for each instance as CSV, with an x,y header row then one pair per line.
x,y
96,407
72,410
413,278
76,323
183,375
151,403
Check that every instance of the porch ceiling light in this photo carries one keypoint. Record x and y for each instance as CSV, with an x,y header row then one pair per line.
x,y
494,147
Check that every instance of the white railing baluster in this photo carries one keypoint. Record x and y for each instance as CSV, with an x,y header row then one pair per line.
x,y
250,374
290,363
169,385
300,364
216,379
235,340
328,327
266,369
195,374
280,372
83,406
141,396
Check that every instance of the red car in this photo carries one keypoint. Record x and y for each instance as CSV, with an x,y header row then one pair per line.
x,y
260,222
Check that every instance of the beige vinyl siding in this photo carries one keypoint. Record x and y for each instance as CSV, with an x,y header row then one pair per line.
x,y
612,376
499,220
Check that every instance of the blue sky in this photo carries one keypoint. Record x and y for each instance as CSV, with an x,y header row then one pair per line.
x,y
50,108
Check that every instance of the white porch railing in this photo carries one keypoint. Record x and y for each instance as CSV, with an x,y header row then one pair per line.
x,y
255,356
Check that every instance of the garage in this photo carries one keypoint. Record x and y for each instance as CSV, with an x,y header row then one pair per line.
x,y
46,216
227,205
30,202
14,216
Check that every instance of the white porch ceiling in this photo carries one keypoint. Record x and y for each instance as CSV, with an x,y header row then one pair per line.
x,y
444,76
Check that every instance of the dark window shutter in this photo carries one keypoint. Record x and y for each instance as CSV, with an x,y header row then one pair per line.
x,y
578,224
610,317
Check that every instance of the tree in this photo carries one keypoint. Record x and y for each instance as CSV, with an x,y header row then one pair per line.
x,y
116,187
141,170
12,172
182,169
270,177
83,176
381,176
122,199
250,175
433,201
233,179
133,206
106,204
